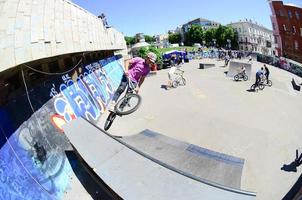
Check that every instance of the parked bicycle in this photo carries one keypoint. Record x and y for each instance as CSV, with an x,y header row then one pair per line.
x,y
125,106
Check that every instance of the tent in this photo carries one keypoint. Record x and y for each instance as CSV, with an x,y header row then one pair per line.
x,y
168,54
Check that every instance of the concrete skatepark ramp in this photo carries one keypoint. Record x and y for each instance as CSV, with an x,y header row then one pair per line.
x,y
190,159
234,67
134,176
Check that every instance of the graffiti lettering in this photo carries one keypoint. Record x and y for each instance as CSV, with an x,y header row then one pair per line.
x,y
91,93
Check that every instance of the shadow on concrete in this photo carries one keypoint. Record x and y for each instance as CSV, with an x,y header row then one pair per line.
x,y
166,87
292,167
96,188
251,90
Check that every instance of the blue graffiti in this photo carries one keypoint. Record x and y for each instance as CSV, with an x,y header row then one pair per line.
x,y
92,91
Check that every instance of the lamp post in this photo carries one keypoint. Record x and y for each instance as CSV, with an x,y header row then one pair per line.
x,y
229,43
214,42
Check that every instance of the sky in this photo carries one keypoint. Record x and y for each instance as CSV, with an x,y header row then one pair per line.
x,y
158,16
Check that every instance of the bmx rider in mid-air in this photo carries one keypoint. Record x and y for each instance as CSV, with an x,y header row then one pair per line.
x,y
136,69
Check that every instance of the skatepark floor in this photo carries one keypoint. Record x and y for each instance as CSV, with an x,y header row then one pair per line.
x,y
217,113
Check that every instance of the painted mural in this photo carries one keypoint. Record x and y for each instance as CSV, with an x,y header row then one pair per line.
x,y
33,162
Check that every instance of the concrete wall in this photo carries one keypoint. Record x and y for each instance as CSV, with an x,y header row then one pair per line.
x,y
35,29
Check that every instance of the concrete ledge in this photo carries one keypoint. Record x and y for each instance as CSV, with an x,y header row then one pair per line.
x,y
206,65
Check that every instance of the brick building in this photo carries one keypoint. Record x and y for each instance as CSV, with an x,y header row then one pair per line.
x,y
287,27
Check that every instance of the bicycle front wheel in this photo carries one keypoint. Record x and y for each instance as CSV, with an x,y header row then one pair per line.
x,y
269,83
261,86
128,104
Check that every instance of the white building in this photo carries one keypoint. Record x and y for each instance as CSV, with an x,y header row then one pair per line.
x,y
254,37
162,40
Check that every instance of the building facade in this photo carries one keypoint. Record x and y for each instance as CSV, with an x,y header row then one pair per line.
x,y
204,23
162,40
254,37
287,27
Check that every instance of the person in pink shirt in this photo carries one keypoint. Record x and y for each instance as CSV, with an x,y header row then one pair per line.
x,y
137,69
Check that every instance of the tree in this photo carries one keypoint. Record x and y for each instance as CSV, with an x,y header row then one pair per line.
x,y
209,35
195,34
130,40
149,38
142,52
174,38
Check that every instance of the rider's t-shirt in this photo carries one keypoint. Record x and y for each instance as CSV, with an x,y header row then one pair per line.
x,y
259,73
138,69
172,70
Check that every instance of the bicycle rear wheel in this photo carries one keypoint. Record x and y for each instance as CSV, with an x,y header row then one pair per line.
x,y
128,104
174,84
109,121
236,77
245,78
269,83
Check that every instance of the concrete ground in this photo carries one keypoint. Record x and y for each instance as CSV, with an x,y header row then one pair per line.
x,y
217,113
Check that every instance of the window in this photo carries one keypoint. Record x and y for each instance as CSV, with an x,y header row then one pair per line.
x,y
296,45
290,14
294,29
301,32
297,15
240,30
284,27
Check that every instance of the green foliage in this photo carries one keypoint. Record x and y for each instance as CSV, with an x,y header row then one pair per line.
x,y
196,35
209,35
130,40
174,38
142,52
157,52
149,38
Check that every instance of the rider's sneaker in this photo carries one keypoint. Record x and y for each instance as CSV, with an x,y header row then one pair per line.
x,y
111,106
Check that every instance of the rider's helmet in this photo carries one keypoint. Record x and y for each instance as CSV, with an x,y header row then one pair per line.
x,y
152,57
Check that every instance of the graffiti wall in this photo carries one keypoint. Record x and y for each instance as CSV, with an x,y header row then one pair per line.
x,y
33,162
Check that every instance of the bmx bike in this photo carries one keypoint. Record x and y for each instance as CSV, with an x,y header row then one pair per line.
x,y
128,104
179,79
239,76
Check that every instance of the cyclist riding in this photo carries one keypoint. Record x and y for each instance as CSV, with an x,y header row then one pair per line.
x,y
242,70
136,69
172,74
259,73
